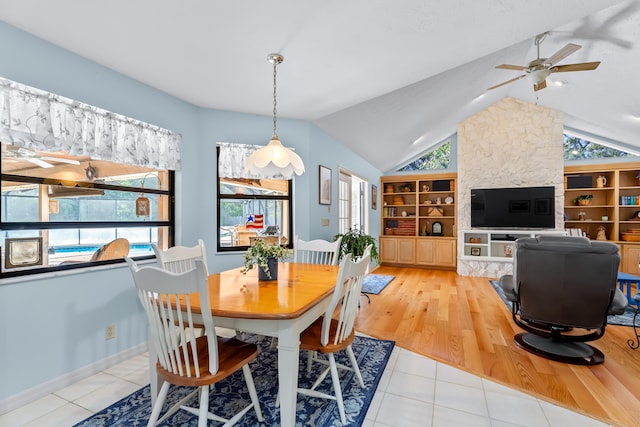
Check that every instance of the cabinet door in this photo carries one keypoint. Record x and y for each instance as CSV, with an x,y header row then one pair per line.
x,y
445,251
389,250
630,259
425,253
406,251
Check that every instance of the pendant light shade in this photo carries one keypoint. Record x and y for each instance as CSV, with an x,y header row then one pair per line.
x,y
274,158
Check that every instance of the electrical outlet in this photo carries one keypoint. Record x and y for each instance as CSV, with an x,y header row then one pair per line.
x,y
110,332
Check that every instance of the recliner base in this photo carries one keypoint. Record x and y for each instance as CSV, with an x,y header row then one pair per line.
x,y
576,353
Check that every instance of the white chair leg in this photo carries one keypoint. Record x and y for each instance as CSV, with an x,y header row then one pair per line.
x,y
248,377
354,365
336,387
203,410
310,356
155,413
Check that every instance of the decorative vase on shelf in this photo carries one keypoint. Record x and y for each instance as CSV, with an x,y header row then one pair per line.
x,y
272,274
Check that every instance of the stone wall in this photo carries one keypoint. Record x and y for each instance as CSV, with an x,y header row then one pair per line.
x,y
511,143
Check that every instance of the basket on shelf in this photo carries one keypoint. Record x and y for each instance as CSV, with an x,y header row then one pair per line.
x,y
583,199
631,235
398,200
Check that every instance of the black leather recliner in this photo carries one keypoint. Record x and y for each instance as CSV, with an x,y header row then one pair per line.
x,y
562,285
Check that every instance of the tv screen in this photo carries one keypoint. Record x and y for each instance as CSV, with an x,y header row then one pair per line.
x,y
521,207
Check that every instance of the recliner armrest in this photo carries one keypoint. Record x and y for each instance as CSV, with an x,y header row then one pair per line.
x,y
619,303
508,285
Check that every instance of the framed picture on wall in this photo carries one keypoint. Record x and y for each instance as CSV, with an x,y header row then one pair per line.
x,y
23,252
374,197
324,190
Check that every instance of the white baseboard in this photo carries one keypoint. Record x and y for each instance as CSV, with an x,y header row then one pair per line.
x,y
41,390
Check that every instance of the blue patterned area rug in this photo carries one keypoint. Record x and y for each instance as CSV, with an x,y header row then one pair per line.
x,y
625,319
375,283
372,356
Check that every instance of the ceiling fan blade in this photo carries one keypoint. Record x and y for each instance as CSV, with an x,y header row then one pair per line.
x,y
511,67
507,82
541,85
60,160
562,53
39,162
583,66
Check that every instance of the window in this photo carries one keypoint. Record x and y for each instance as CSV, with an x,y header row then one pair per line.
x,y
80,185
576,148
353,202
251,208
438,158
60,212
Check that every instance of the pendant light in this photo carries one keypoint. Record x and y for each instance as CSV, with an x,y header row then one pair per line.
x,y
274,158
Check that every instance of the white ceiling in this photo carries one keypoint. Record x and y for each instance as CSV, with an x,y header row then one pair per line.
x,y
375,74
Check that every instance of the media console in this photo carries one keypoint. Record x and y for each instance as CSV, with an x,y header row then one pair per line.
x,y
496,245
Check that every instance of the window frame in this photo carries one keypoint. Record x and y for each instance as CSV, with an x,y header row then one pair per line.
x,y
221,197
39,225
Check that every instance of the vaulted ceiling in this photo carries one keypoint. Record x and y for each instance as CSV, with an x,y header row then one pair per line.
x,y
387,78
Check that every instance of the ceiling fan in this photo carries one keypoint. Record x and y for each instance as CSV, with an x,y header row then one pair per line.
x,y
540,68
17,153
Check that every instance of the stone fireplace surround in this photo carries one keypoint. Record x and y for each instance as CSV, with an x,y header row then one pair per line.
x,y
511,143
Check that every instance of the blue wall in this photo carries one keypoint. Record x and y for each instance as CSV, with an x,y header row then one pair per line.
x,y
54,325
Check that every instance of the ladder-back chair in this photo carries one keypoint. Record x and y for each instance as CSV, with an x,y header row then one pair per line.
x,y
328,335
183,357
179,259
316,251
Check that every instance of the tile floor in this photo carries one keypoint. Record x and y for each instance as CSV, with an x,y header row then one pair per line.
x,y
414,391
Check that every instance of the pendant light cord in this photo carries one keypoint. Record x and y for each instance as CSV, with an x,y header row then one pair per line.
x,y
275,101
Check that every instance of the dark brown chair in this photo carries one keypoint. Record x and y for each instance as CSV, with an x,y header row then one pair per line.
x,y
561,291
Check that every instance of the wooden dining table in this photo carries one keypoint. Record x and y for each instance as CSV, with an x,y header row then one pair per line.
x,y
281,308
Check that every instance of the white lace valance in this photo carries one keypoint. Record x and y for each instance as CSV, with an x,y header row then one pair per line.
x,y
232,159
42,121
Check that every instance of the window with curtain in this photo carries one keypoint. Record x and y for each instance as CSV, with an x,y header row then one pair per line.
x,y
250,207
80,186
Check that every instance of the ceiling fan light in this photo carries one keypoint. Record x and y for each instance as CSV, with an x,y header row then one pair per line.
x,y
538,76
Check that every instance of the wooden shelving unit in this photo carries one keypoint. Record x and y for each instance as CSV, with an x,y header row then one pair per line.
x,y
419,220
614,208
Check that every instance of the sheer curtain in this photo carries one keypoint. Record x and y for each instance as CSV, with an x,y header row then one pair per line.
x,y
42,121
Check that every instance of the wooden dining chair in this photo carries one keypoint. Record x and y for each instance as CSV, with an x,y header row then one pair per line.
x,y
313,252
367,252
184,358
179,259
115,249
316,251
329,335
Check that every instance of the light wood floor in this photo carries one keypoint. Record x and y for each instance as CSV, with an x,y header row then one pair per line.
x,y
461,321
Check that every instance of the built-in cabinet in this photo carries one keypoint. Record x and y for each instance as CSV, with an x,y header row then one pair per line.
x,y
399,250
418,220
496,245
612,211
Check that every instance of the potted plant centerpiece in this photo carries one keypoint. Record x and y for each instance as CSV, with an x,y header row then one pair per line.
x,y
266,257
583,199
354,242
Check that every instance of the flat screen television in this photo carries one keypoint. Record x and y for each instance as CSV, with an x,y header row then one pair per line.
x,y
521,207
